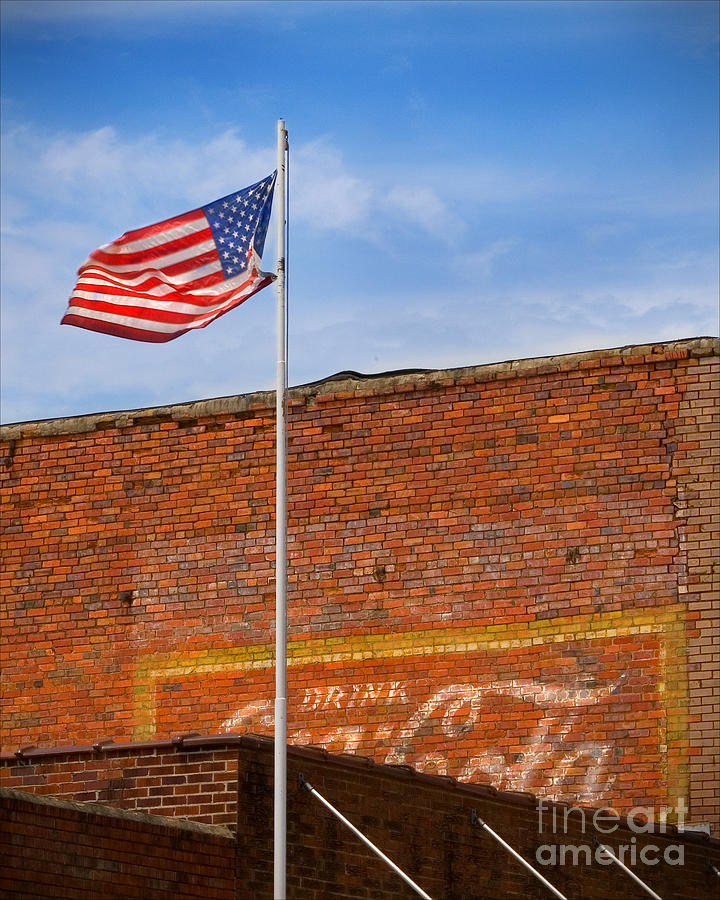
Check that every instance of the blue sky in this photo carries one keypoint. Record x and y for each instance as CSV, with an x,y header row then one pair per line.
x,y
470,182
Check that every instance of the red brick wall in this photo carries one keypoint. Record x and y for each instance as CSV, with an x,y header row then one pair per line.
x,y
195,781
696,468
504,574
51,848
423,823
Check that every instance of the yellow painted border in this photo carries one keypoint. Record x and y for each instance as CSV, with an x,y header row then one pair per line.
x,y
667,623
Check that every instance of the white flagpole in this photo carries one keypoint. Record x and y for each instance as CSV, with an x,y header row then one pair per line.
x,y
280,774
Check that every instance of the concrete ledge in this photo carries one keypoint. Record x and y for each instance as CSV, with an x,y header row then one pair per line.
x,y
355,384
109,812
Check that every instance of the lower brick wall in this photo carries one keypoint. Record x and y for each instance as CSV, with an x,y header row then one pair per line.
x,y
197,782
422,822
55,848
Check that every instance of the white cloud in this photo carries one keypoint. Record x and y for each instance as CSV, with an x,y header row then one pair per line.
x,y
599,232
103,174
420,205
328,195
481,263
325,193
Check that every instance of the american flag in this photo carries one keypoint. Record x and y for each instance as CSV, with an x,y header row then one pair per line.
x,y
156,283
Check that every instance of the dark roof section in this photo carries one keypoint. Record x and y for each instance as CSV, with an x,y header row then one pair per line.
x,y
350,375
196,741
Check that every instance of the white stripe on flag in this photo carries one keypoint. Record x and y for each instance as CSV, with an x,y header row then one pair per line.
x,y
156,240
159,261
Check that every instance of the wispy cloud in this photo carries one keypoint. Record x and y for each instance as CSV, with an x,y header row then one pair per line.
x,y
325,193
420,205
123,176
481,262
109,175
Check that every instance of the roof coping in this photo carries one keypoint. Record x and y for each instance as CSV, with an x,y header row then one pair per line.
x,y
195,741
111,812
355,383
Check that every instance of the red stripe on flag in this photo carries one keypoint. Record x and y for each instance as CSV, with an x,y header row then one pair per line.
x,y
139,233
141,314
135,312
178,268
152,253
151,281
186,295
126,331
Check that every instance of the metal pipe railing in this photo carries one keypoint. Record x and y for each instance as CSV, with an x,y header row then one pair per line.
x,y
406,878
608,852
476,820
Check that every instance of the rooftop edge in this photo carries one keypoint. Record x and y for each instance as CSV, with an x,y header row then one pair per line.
x,y
358,383
259,743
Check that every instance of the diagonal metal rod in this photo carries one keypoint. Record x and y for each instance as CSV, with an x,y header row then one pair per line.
x,y
608,852
308,787
476,820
